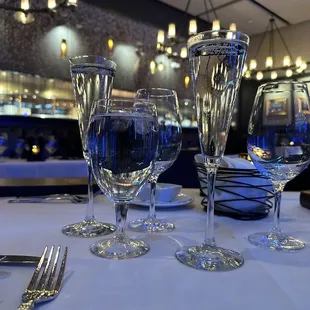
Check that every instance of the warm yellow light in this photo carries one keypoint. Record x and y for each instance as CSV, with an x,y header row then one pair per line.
x,y
72,2
259,75
186,81
216,25
36,91
233,27
289,73
51,4
253,64
192,28
303,65
110,45
161,37
169,50
26,90
171,31
153,66
183,53
35,149
247,74
161,67
24,5
273,75
63,48
286,61
298,61
269,62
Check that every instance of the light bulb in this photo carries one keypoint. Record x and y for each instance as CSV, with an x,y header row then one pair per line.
x,y
110,45
269,62
153,66
183,53
161,67
192,28
63,48
298,61
259,75
171,31
161,37
253,64
286,61
186,81
289,73
273,75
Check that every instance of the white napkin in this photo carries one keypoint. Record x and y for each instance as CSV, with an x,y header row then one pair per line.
x,y
251,187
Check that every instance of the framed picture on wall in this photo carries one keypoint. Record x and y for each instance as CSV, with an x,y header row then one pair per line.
x,y
276,107
303,105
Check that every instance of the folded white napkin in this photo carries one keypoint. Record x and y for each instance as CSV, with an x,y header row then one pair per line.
x,y
251,187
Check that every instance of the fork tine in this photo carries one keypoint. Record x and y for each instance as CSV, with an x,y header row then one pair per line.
x,y
61,270
50,281
36,273
45,271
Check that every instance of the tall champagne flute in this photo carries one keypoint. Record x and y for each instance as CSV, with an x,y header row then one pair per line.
x,y
279,146
169,146
92,79
216,63
122,141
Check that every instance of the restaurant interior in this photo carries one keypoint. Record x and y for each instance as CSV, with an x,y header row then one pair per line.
x,y
42,147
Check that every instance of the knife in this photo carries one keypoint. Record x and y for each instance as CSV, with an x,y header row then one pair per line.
x,y
19,260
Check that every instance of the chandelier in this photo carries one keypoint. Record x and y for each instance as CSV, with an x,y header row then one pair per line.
x,y
25,13
289,68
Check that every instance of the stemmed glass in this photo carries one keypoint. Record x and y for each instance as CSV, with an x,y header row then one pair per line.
x,y
216,62
169,146
279,146
92,79
122,141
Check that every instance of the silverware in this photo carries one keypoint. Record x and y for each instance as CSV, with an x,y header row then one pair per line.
x,y
53,198
19,259
44,288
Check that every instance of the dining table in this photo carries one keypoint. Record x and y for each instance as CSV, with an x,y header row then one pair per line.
x,y
157,280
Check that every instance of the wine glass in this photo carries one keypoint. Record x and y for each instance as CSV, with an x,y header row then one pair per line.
x,y
278,144
92,79
169,146
216,63
122,140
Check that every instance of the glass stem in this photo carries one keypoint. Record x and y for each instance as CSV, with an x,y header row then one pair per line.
x,y
152,211
209,230
121,209
278,189
90,205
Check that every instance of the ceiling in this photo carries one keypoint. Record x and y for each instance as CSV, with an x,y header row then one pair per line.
x,y
249,15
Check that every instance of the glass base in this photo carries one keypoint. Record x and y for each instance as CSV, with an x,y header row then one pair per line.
x,y
151,225
88,229
120,247
276,241
208,257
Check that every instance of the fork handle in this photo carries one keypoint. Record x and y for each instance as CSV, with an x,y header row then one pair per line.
x,y
26,305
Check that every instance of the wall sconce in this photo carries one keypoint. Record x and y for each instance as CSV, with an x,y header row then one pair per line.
x,y
186,81
63,48
110,45
153,66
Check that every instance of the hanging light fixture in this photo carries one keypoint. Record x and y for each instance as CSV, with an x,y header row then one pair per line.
x,y
24,5
253,64
247,74
286,61
259,75
153,66
161,67
273,75
233,27
216,25
298,61
72,2
51,4
110,45
183,53
63,48
303,65
289,72
186,81
192,29
269,62
171,31
161,37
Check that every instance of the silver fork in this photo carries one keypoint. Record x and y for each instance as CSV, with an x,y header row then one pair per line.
x,y
45,288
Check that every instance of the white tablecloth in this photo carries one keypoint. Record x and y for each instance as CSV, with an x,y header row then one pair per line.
x,y
268,280
16,169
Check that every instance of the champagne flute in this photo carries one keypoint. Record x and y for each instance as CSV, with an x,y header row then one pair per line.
x,y
279,146
122,140
169,146
216,63
92,79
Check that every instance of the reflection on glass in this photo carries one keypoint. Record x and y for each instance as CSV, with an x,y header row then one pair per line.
x,y
278,143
